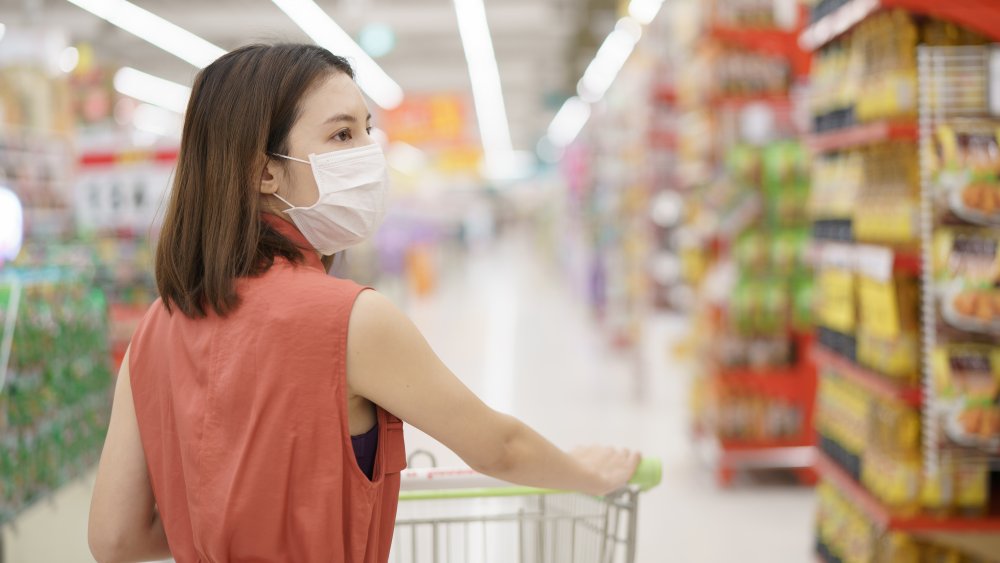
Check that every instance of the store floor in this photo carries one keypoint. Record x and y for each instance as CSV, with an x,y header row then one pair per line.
x,y
506,323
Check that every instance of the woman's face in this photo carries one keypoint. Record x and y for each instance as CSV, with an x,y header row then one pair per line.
x,y
333,116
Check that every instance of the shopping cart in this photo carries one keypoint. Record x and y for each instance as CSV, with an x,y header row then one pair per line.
x,y
460,516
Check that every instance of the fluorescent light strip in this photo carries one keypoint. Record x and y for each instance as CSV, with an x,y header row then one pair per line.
x,y
152,89
382,89
568,122
609,60
484,74
600,74
644,11
152,28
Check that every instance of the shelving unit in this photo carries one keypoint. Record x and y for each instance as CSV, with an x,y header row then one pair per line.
x,y
980,15
875,383
863,135
887,520
903,467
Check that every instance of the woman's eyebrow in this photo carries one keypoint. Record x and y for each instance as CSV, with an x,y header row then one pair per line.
x,y
340,117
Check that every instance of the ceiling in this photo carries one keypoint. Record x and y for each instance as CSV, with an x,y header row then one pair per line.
x,y
542,46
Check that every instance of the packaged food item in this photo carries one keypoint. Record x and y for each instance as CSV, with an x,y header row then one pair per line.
x,y
967,279
967,382
965,175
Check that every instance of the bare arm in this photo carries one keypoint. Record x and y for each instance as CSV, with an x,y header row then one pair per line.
x,y
124,525
390,364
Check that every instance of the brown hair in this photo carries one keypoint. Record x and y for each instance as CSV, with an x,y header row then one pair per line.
x,y
242,108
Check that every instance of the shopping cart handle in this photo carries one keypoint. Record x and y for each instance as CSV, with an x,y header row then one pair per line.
x,y
648,475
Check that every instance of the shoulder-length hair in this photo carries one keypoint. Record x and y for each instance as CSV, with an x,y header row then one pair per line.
x,y
242,108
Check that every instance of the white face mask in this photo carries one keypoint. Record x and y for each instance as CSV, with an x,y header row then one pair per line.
x,y
352,186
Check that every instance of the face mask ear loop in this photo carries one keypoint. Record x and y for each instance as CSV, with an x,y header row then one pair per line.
x,y
283,200
275,194
290,158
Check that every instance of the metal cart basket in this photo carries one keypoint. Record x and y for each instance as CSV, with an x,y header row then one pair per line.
x,y
459,516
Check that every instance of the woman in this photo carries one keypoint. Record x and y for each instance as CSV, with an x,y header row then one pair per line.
x,y
251,415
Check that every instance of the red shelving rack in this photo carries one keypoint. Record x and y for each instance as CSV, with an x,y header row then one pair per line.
x,y
875,383
862,135
979,15
886,519
777,42
795,384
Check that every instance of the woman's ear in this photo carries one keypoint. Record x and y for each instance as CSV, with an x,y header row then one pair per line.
x,y
269,177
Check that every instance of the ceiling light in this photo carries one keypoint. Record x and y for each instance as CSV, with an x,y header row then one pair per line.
x,y
152,28
644,11
609,60
68,59
491,113
568,122
152,89
377,39
154,119
382,89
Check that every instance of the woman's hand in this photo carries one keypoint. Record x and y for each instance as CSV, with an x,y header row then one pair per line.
x,y
612,468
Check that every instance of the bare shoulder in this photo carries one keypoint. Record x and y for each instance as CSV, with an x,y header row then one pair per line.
x,y
375,318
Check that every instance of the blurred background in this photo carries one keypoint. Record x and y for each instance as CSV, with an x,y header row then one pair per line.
x,y
757,239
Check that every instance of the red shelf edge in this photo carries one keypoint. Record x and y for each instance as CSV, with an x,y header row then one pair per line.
x,y
882,517
762,445
730,100
982,16
909,263
836,24
861,135
873,382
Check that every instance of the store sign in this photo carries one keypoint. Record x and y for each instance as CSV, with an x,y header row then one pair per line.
x,y
439,119
124,191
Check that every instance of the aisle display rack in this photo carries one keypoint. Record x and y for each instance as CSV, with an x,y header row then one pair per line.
x,y
756,402
905,136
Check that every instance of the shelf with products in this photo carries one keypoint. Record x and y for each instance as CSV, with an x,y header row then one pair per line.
x,y
761,27
887,519
905,184
863,135
875,383
55,381
834,18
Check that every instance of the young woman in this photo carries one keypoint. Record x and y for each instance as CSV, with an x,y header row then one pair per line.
x,y
251,419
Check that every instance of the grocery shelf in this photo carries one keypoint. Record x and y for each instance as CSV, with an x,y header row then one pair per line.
x,y
875,383
121,157
743,100
980,15
768,41
728,458
797,384
886,519
862,135
734,446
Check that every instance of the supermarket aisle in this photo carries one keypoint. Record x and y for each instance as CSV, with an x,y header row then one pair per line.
x,y
509,328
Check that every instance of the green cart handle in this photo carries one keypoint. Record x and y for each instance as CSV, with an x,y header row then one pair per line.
x,y
647,476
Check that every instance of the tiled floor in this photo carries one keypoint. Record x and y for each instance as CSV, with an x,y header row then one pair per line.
x,y
507,324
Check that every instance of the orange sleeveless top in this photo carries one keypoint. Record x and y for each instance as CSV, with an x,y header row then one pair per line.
x,y
244,424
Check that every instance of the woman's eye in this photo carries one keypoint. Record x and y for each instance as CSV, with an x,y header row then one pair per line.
x,y
369,129
344,135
